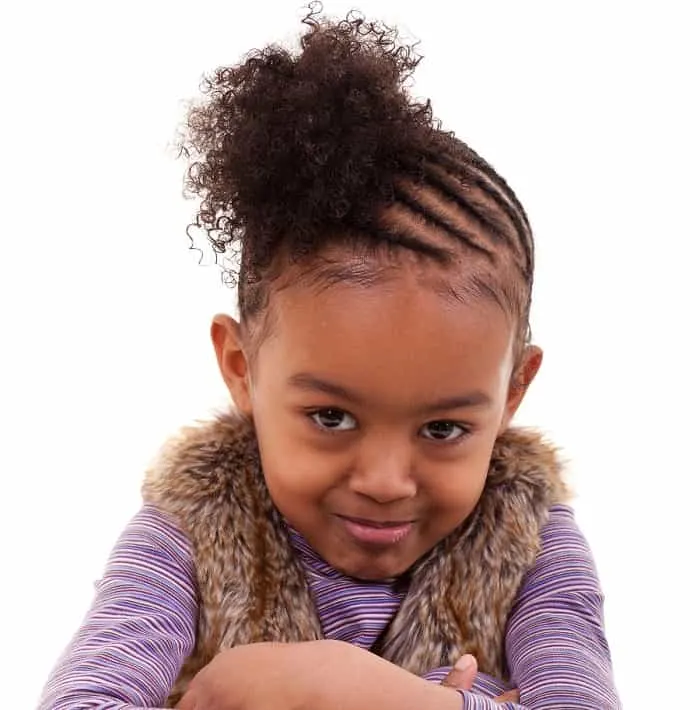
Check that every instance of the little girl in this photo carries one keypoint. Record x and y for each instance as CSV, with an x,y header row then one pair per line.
x,y
365,519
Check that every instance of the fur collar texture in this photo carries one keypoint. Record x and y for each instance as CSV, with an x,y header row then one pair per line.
x,y
252,587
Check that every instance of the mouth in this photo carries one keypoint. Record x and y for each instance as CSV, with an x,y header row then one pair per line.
x,y
377,533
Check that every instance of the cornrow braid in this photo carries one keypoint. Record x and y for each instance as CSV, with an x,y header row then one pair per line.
x,y
440,221
475,172
291,154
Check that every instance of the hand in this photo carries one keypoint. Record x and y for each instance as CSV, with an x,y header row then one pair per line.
x,y
312,675
463,674
512,696
255,676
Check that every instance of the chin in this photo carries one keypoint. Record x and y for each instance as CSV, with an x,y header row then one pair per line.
x,y
372,570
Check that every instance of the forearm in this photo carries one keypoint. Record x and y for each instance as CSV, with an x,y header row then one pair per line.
x,y
92,701
362,680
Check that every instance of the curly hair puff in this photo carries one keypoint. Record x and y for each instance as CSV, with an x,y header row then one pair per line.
x,y
291,153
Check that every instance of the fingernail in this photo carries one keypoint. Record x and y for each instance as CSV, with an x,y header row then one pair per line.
x,y
465,663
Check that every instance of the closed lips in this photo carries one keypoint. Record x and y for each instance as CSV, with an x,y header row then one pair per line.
x,y
377,523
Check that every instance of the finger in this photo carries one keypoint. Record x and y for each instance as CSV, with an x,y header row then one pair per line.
x,y
512,696
462,674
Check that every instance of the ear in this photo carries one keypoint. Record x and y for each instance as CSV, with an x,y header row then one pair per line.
x,y
521,380
228,344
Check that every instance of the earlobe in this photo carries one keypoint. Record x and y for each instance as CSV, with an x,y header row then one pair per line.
x,y
233,363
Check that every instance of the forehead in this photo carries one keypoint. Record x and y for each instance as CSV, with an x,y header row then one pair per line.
x,y
396,339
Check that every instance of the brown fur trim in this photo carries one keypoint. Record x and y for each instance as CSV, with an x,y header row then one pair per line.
x,y
252,586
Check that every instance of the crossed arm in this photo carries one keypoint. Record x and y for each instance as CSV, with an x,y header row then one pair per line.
x,y
141,627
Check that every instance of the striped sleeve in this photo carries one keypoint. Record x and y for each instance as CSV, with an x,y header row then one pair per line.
x,y
555,640
141,627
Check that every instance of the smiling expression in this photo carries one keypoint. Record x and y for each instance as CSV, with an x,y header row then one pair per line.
x,y
376,410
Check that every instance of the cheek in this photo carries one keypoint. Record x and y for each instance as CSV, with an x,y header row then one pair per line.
x,y
453,493
461,494
296,474
291,456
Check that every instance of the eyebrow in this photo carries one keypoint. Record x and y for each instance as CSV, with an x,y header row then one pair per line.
x,y
309,382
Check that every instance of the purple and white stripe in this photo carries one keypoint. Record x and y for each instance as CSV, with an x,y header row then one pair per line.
x,y
349,610
142,623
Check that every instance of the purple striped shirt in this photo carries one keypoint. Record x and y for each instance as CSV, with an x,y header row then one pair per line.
x,y
142,624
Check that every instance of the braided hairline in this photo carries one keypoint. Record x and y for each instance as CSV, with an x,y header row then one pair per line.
x,y
481,175
459,187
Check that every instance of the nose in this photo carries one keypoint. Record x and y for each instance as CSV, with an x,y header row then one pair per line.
x,y
383,470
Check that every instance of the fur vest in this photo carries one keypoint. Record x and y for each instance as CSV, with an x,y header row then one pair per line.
x,y
252,587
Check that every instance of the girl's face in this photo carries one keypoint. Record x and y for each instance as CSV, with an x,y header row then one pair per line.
x,y
376,410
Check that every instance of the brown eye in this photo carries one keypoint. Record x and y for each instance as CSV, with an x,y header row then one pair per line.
x,y
333,419
443,430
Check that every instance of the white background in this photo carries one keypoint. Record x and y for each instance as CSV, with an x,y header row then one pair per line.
x,y
588,109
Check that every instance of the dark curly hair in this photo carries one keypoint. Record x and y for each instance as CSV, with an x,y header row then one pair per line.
x,y
291,154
